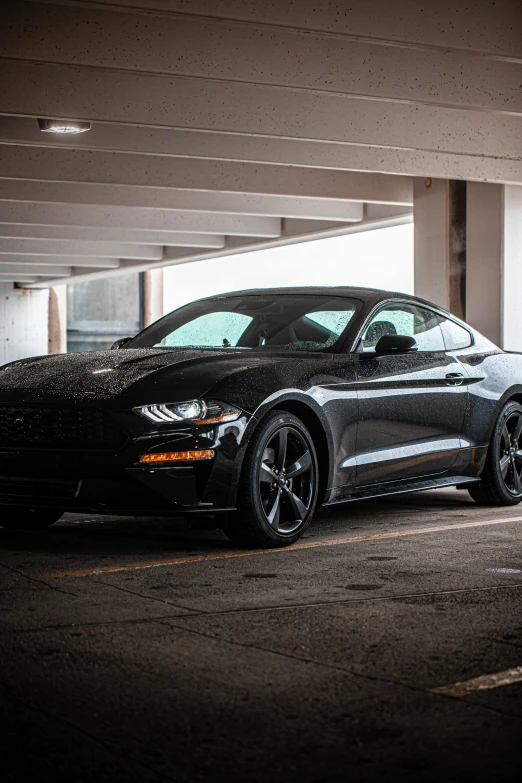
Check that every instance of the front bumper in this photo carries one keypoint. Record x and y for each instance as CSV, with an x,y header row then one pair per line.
x,y
98,481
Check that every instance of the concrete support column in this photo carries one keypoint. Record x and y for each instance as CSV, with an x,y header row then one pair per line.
x,y
494,262
152,296
23,322
512,261
58,319
439,218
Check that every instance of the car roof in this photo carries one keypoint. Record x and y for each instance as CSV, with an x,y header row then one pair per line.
x,y
373,295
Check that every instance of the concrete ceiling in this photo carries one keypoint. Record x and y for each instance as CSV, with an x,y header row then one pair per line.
x,y
223,125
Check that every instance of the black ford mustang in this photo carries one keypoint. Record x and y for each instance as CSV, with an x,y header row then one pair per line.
x,y
249,409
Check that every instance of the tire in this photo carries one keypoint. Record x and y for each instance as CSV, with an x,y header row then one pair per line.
x,y
14,518
278,487
500,482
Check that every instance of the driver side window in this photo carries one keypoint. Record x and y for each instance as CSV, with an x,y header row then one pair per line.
x,y
408,320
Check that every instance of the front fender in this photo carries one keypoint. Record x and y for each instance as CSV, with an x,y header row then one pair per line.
x,y
287,399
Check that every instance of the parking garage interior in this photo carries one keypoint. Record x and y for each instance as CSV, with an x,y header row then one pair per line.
x,y
386,644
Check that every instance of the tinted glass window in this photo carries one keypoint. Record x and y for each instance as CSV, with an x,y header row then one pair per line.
x,y
455,336
221,328
253,322
408,320
335,321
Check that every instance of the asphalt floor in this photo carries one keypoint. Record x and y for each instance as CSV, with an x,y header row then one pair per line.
x,y
138,650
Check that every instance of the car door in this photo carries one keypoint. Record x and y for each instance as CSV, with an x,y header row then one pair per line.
x,y
411,405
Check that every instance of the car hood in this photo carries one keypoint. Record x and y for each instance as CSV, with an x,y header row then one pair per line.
x,y
95,374
137,375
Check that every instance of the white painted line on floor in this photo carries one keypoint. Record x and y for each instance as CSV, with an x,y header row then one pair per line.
x,y
484,683
504,570
293,548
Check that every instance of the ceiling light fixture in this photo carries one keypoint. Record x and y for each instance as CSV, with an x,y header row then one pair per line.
x,y
63,126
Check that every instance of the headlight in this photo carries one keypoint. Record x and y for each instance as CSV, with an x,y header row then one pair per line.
x,y
194,411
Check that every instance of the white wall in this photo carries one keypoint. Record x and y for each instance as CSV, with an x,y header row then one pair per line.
x,y
382,258
23,322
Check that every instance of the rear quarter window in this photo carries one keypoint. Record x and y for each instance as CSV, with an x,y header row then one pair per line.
x,y
455,336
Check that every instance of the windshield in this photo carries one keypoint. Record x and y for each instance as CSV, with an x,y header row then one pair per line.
x,y
253,322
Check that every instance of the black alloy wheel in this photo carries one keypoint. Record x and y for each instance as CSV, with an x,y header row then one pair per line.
x,y
501,480
286,480
18,518
279,484
510,460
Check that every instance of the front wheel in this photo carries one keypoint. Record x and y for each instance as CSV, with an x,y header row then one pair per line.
x,y
501,482
279,483
14,518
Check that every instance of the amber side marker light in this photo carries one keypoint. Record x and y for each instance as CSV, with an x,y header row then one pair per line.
x,y
177,456
217,419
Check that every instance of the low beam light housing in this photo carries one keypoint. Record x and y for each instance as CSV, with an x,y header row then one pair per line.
x,y
193,411
177,456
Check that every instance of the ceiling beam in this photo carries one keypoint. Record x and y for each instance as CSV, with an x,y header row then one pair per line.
x,y
28,231
25,279
46,90
492,29
206,145
88,263
105,218
57,247
180,200
212,49
112,168
235,245
31,269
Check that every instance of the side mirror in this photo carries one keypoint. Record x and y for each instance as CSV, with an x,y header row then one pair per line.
x,y
120,343
395,343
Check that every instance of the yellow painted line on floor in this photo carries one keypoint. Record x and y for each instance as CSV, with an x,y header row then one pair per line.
x,y
484,683
292,548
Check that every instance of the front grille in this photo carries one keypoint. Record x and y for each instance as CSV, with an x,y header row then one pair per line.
x,y
14,488
58,428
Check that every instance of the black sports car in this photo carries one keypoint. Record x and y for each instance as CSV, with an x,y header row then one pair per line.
x,y
249,409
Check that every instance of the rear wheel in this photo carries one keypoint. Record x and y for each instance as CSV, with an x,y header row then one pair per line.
x,y
501,480
14,518
278,487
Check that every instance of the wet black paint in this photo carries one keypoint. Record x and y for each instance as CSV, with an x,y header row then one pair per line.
x,y
375,418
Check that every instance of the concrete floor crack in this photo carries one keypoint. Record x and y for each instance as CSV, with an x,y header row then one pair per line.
x,y
349,672
344,601
38,581
147,597
195,613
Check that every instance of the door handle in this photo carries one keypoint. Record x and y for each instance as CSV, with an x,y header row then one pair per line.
x,y
454,379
